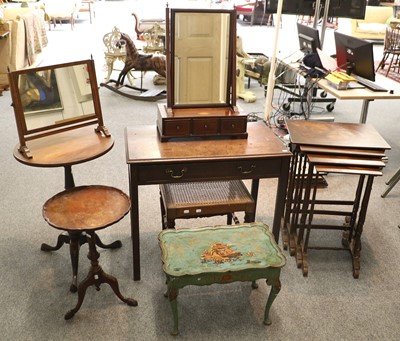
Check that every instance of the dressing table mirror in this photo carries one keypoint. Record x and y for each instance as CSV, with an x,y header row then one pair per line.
x,y
201,76
53,99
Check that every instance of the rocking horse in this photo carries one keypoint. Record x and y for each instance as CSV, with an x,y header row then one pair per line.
x,y
134,60
140,62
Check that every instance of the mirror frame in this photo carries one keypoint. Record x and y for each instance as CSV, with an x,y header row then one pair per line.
x,y
230,96
26,134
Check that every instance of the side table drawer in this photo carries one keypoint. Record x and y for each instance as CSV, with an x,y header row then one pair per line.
x,y
245,169
233,125
205,126
179,127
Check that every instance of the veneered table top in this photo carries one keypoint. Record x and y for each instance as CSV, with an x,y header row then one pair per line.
x,y
144,145
66,148
334,134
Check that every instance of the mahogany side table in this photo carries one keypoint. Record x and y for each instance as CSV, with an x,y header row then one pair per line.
x,y
88,209
64,150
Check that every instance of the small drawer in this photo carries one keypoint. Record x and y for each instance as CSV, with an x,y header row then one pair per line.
x,y
205,126
176,127
233,125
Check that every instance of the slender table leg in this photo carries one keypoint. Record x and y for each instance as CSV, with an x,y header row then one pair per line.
x,y
254,192
356,243
364,110
280,198
275,288
134,195
172,297
68,177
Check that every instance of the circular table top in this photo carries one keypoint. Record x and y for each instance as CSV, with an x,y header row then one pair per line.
x,y
86,208
66,148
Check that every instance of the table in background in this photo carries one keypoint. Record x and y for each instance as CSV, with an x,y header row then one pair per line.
x,y
364,94
88,6
395,6
152,162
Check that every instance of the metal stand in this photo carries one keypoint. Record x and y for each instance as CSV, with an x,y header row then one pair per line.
x,y
391,183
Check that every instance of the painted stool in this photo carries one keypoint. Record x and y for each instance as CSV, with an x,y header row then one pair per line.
x,y
220,254
86,209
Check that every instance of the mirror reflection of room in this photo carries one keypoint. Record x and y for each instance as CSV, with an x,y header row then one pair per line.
x,y
201,57
55,95
52,99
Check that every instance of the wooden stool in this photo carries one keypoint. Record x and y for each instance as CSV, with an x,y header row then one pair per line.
x,y
205,199
86,209
221,254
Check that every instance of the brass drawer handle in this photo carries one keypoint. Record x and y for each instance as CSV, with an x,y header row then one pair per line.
x,y
252,167
173,176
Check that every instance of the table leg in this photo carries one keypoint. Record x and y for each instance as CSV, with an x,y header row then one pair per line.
x,y
364,110
134,195
68,177
280,198
275,288
254,192
172,297
355,248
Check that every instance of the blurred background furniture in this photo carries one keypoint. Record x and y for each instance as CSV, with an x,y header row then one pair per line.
x,y
141,25
253,12
59,11
88,6
391,49
373,26
115,50
17,50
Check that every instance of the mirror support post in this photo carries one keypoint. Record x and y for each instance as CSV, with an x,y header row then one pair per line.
x,y
103,129
24,150
168,57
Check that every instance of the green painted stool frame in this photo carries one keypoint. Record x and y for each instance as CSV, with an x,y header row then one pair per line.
x,y
255,255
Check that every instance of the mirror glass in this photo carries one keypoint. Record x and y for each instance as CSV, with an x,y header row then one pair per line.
x,y
55,98
52,96
201,55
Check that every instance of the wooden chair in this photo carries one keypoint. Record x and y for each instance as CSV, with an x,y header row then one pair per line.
x,y
391,49
205,199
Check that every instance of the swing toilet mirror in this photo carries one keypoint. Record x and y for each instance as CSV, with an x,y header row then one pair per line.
x,y
201,48
56,98
201,76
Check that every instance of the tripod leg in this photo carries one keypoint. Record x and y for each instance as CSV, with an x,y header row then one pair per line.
x,y
87,282
113,283
114,245
62,239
